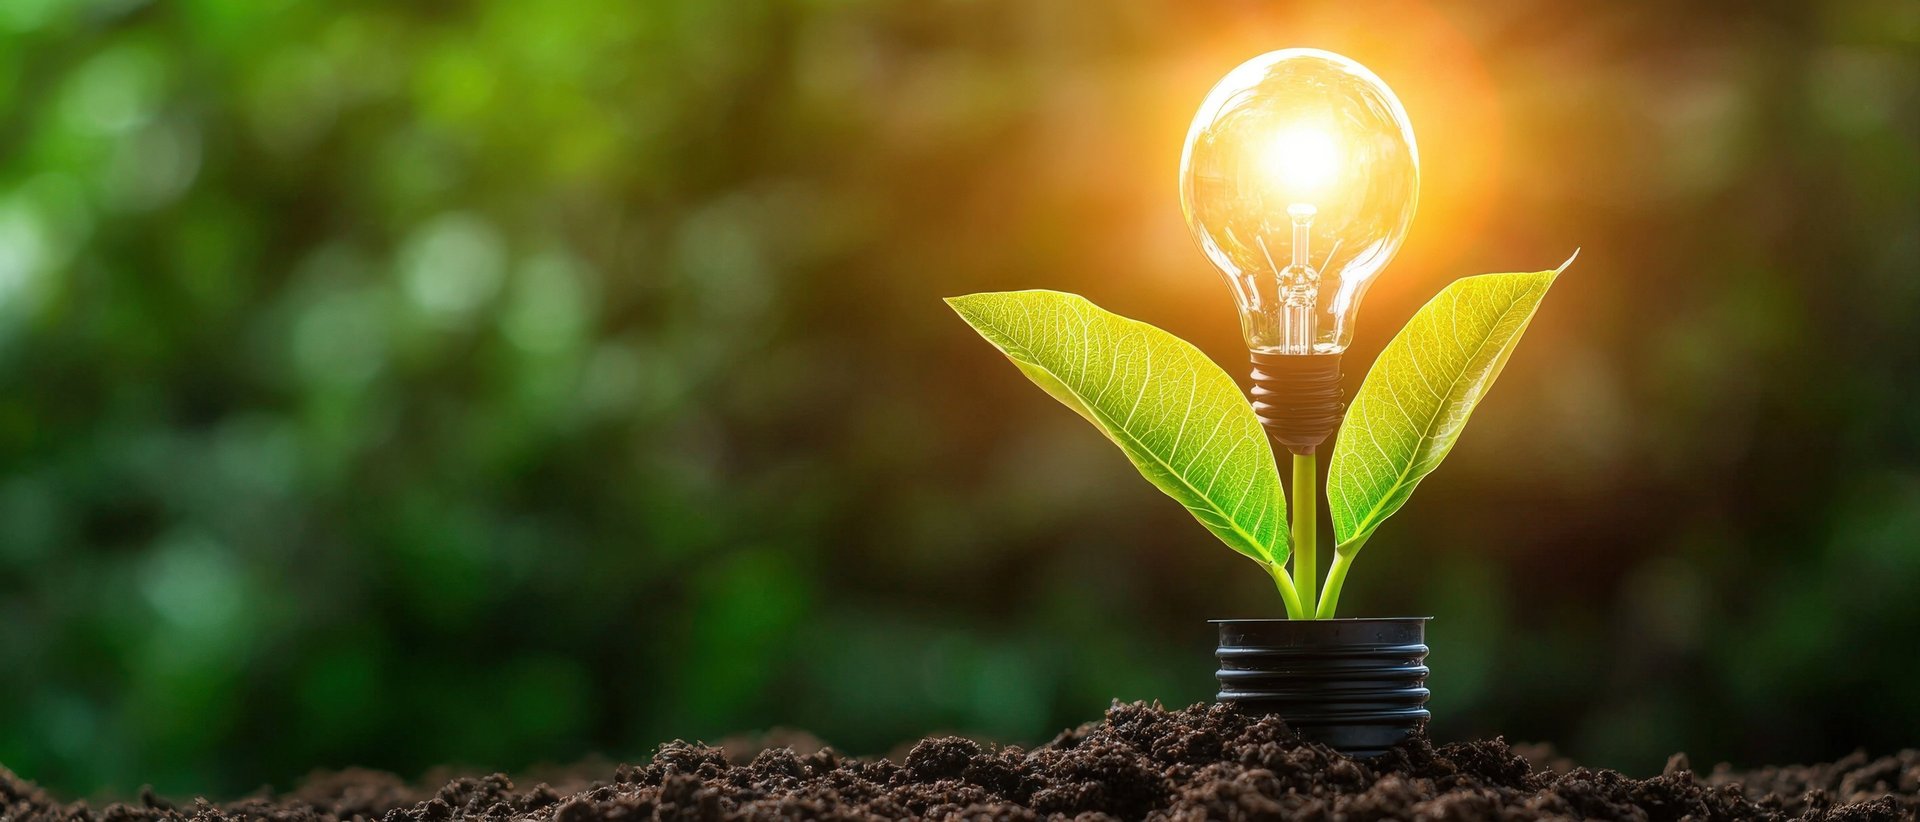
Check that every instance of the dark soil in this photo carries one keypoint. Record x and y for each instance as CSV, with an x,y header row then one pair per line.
x,y
1205,762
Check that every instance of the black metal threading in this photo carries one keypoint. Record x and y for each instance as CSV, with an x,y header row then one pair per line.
x,y
1359,686
1297,398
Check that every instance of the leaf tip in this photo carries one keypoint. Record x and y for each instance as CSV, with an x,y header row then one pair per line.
x,y
1570,259
960,304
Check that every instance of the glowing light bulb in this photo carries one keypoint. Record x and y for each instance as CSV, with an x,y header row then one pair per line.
x,y
1299,180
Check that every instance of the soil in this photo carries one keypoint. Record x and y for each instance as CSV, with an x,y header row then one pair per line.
x,y
1205,762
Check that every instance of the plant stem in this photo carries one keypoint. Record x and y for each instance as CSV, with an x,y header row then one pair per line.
x,y
1336,577
1287,594
1306,495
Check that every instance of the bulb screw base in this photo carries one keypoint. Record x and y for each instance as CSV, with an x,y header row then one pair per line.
x,y
1297,398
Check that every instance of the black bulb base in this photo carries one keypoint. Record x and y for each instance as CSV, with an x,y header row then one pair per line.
x,y
1297,398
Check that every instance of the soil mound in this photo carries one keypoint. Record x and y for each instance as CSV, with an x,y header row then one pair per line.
x,y
1141,762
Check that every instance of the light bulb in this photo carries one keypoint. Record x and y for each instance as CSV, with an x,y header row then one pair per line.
x,y
1299,180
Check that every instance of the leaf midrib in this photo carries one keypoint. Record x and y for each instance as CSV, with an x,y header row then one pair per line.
x,y
1135,446
1368,523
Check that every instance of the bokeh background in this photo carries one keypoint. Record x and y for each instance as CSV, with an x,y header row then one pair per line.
x,y
493,382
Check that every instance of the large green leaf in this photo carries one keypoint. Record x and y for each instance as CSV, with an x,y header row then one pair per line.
x,y
1180,419
1419,393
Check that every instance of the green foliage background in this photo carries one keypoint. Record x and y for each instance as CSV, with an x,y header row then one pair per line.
x,y
495,382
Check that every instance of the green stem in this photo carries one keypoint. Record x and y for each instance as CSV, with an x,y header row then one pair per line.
x,y
1306,495
1287,594
1336,577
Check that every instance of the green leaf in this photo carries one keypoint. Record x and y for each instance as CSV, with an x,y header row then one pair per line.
x,y
1180,419
1419,393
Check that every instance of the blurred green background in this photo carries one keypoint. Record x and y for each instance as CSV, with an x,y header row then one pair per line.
x,y
496,382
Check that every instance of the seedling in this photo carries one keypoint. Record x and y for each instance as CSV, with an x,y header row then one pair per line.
x,y
1298,180
1184,424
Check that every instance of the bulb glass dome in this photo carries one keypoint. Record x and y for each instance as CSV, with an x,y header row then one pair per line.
x,y
1299,180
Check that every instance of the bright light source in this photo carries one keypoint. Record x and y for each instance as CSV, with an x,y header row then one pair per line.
x,y
1302,160
1299,179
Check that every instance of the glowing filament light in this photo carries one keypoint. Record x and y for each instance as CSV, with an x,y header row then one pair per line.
x,y
1302,161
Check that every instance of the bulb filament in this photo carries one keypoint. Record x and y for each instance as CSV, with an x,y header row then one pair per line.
x,y
1299,285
